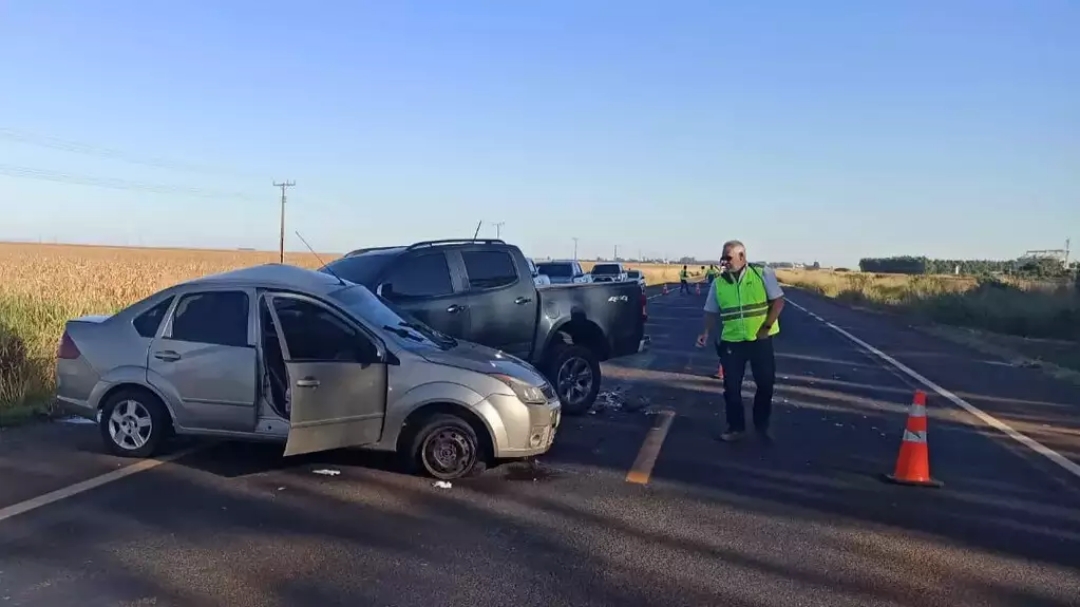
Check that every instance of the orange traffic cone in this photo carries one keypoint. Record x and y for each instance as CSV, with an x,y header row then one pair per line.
x,y
665,289
913,462
698,288
719,371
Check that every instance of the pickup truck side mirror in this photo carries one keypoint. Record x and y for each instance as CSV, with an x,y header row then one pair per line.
x,y
386,290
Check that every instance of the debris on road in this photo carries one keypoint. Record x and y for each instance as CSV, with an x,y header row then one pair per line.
x,y
613,400
76,420
326,472
442,484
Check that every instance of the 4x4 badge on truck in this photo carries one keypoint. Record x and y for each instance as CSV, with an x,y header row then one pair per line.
x,y
615,298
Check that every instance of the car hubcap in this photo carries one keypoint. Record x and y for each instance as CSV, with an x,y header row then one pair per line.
x,y
448,452
575,380
130,425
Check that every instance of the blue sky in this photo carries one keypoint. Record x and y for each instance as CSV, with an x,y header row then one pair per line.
x,y
824,130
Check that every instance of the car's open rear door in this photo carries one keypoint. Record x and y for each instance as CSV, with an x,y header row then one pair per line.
x,y
334,405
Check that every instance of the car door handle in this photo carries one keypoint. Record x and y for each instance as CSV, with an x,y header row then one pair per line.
x,y
167,355
307,382
454,308
522,300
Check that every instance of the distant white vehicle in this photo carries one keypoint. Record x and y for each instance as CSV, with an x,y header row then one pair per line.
x,y
538,278
636,275
563,272
608,272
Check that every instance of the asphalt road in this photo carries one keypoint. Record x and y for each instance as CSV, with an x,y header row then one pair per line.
x,y
802,522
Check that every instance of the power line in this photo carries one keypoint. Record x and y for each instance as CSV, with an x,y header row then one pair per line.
x,y
20,172
281,243
76,147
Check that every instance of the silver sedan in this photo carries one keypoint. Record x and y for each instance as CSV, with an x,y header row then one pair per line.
x,y
281,353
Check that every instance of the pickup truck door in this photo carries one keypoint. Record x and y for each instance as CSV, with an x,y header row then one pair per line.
x,y
422,284
501,296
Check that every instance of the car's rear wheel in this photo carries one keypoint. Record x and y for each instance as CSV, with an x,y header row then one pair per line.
x,y
445,447
133,423
575,372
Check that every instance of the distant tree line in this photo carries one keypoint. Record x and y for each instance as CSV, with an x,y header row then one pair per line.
x,y
1038,267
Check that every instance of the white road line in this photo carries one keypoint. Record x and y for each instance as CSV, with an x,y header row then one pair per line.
x,y
91,483
1069,465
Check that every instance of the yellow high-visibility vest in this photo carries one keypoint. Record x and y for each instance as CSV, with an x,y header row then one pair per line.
x,y
744,305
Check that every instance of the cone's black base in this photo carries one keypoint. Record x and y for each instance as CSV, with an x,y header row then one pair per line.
x,y
932,484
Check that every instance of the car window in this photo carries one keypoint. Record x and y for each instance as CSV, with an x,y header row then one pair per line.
x,y
148,322
489,269
556,269
606,268
213,317
420,276
315,334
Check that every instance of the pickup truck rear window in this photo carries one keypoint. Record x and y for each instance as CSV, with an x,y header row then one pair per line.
x,y
606,268
556,269
421,276
489,269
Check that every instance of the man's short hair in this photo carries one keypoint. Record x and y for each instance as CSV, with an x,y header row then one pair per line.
x,y
735,244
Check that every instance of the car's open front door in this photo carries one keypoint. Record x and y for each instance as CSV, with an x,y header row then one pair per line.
x,y
337,377
334,405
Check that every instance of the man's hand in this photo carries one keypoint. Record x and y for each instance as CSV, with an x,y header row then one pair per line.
x,y
763,332
701,339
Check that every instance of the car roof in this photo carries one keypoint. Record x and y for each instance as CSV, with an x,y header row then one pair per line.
x,y
274,275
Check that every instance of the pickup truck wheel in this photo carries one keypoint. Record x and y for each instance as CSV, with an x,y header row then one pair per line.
x,y
575,372
446,447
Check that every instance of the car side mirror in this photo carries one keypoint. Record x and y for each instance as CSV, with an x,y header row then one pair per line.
x,y
386,290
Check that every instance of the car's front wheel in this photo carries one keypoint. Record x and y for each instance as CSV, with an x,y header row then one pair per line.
x,y
445,447
133,423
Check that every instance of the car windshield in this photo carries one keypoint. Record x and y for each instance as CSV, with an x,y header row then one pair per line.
x,y
556,269
362,269
634,274
382,313
606,268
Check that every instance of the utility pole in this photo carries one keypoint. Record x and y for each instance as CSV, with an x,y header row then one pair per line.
x,y
616,254
575,247
498,228
281,242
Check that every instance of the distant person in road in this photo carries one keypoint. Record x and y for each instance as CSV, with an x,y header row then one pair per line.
x,y
684,284
747,301
711,273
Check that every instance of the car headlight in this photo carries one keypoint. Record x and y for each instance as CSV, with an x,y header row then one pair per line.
x,y
526,393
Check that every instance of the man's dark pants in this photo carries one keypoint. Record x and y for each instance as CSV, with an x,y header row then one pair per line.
x,y
733,356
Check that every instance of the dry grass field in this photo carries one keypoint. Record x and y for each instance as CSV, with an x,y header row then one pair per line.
x,y
41,286
1025,309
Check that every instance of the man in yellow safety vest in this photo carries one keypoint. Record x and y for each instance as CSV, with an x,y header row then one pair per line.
x,y
748,301
684,278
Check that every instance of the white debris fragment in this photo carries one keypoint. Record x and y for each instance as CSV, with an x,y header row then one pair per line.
x,y
326,472
839,425
611,399
76,420
442,484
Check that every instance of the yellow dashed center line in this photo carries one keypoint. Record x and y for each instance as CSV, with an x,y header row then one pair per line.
x,y
641,471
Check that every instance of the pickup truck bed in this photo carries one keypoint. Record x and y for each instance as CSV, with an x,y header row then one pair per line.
x,y
483,291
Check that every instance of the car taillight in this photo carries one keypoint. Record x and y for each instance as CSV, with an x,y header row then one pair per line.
x,y
644,305
67,349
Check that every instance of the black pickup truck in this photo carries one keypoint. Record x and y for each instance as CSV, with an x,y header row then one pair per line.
x,y
483,291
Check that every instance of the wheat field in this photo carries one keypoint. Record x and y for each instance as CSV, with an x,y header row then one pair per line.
x,y
43,285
